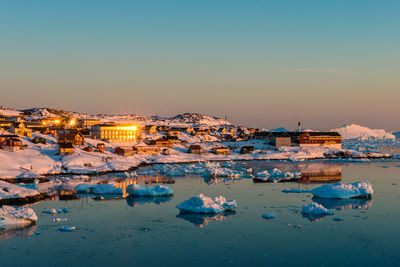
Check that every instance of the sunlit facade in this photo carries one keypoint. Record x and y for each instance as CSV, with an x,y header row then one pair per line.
x,y
115,133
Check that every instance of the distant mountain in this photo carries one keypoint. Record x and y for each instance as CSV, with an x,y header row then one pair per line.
x,y
279,129
354,131
192,118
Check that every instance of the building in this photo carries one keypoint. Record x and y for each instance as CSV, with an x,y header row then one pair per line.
x,y
101,147
124,151
149,129
113,133
321,139
74,138
196,149
20,129
149,150
10,142
159,142
87,123
174,132
220,150
279,138
66,148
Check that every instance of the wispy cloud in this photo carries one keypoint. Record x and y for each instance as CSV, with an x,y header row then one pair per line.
x,y
316,70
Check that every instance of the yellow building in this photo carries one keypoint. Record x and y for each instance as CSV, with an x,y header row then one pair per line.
x,y
113,133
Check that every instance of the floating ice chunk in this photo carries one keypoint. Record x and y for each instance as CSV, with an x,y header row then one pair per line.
x,y
203,204
52,211
275,176
337,219
316,209
16,216
59,220
67,228
269,216
143,191
339,190
295,190
84,188
107,189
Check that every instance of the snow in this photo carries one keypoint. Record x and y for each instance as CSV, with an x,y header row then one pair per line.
x,y
353,131
339,190
269,216
11,191
16,216
203,204
148,191
315,209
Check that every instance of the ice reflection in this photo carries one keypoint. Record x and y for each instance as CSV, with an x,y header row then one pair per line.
x,y
11,232
340,204
201,220
137,201
314,217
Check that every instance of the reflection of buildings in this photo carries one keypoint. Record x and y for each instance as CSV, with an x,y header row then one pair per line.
x,y
320,172
201,220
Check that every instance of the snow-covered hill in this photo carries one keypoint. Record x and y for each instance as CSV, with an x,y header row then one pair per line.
x,y
192,118
186,119
354,131
9,112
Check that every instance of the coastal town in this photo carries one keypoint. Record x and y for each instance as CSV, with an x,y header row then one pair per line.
x,y
38,142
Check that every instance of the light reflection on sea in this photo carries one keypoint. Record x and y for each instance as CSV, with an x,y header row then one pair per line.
x,y
151,232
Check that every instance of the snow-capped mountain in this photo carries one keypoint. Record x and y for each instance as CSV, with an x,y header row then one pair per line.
x,y
354,131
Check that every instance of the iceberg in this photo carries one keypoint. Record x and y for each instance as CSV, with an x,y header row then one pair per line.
x,y
15,217
143,191
295,190
339,190
203,204
315,208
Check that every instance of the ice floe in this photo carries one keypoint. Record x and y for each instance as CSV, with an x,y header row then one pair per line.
x,y
339,190
148,191
203,204
16,216
275,176
67,228
98,189
269,216
296,190
315,208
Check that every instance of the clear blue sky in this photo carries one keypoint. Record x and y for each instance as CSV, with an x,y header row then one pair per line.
x,y
261,63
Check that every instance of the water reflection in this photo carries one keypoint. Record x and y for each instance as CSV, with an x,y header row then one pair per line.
x,y
201,220
137,201
314,217
11,232
340,204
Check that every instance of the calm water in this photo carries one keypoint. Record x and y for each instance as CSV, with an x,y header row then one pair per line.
x,y
152,233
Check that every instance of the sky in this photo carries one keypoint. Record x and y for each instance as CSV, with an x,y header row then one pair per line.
x,y
260,63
